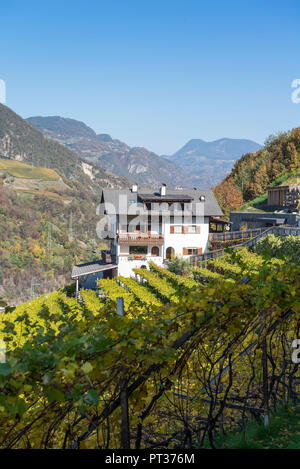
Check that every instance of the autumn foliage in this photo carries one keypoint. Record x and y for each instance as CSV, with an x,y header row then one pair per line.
x,y
253,173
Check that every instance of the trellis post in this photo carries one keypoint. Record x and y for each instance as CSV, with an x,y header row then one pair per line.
x,y
265,377
125,427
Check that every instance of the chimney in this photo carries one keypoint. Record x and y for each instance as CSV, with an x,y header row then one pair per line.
x,y
163,190
134,188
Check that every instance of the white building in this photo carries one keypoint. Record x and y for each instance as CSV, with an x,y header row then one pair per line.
x,y
144,225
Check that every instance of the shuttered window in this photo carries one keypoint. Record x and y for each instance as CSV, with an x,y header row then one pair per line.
x,y
191,251
176,229
193,229
186,229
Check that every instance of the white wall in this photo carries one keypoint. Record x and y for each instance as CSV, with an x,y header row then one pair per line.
x,y
176,241
125,267
180,241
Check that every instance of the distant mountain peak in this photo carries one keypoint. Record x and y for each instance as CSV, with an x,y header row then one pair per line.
x,y
135,163
206,163
64,125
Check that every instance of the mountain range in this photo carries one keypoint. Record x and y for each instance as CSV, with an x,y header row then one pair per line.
x,y
137,164
198,163
21,141
207,163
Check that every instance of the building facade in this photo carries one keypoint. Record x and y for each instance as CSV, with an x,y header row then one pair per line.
x,y
284,196
252,220
143,226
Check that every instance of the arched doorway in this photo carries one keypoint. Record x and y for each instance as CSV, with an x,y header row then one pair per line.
x,y
155,251
144,267
170,252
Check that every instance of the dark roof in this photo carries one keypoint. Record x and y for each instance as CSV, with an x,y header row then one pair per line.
x,y
165,198
289,187
118,201
278,221
217,220
90,268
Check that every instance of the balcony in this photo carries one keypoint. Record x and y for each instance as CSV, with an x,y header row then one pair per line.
x,y
142,259
141,238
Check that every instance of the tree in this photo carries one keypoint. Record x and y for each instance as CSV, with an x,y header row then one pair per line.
x,y
228,196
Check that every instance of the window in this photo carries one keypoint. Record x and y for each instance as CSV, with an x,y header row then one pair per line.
x,y
170,252
138,250
192,251
191,229
155,251
177,229
164,207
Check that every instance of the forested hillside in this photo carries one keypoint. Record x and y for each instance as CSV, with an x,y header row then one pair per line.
x,y
42,235
48,200
274,164
21,141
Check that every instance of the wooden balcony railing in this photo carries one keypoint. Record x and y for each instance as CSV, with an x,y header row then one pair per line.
x,y
139,237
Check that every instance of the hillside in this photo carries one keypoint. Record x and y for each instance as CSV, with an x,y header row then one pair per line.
x,y
44,231
22,170
22,142
276,163
134,163
206,163
48,201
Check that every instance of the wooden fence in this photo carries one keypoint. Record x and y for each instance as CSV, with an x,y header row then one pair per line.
x,y
232,235
277,230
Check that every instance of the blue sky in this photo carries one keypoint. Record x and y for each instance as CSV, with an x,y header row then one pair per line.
x,y
155,73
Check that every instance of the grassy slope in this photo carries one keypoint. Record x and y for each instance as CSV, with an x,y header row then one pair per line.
x,y
23,170
282,433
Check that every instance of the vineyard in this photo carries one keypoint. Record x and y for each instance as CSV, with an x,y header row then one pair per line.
x,y
195,356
